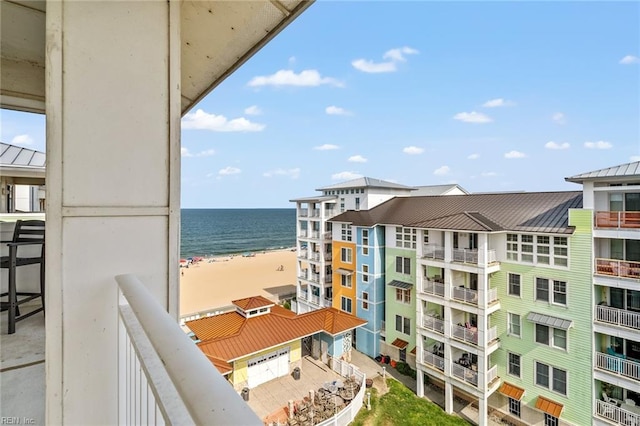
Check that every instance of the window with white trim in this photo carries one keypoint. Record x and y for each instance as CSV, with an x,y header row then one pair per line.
x,y
365,273
550,420
550,336
345,232
513,324
403,296
512,247
514,284
538,249
551,378
406,237
365,242
345,255
553,291
403,325
345,281
514,364
345,304
365,300
425,236
514,407
403,265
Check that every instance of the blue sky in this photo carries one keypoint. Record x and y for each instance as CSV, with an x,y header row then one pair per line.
x,y
494,96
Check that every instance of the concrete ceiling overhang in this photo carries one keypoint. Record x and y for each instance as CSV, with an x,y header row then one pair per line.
x,y
217,37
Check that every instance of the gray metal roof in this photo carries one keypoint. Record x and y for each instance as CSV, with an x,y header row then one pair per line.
x,y
401,284
622,171
315,199
366,182
523,211
436,189
549,320
17,156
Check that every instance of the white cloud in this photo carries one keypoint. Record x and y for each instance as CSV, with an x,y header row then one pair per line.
x,y
184,152
206,153
334,110
634,158
326,147
22,140
345,176
357,159
306,78
559,118
392,57
472,117
202,120
253,110
598,145
555,145
441,171
630,59
292,173
473,156
229,171
413,150
499,102
488,174
514,154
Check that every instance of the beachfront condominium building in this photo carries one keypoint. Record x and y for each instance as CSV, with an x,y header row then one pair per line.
x,y
612,204
491,292
314,233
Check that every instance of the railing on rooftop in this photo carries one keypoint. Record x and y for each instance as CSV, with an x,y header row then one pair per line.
x,y
619,317
163,378
617,268
606,219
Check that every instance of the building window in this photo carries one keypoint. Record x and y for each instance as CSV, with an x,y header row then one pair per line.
x,y
345,281
556,289
512,247
514,285
551,378
403,265
550,420
357,203
514,324
514,364
345,255
560,292
403,296
346,304
554,337
542,289
403,325
560,251
365,242
365,251
540,249
406,237
514,407
526,247
345,232
365,300
365,273
425,237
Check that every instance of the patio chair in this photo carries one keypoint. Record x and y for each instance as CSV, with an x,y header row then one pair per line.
x,y
26,233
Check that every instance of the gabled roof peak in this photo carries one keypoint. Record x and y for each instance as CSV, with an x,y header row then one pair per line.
x,y
366,182
626,170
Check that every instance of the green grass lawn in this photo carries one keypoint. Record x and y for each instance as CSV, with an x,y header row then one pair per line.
x,y
400,406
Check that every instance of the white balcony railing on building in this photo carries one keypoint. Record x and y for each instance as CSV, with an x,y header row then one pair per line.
x,y
314,277
464,374
328,279
617,268
303,233
432,287
433,360
616,414
492,334
315,213
465,256
466,295
469,335
303,295
163,378
315,256
303,212
326,236
432,323
492,374
315,299
493,295
619,317
304,274
315,234
383,327
617,365
433,251
346,416
302,254
328,301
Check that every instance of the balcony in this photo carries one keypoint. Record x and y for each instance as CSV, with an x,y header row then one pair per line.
x,y
622,415
303,233
618,366
432,323
468,335
617,268
315,256
433,360
315,213
465,295
315,235
465,374
432,287
432,251
617,317
326,236
467,256
617,220
303,213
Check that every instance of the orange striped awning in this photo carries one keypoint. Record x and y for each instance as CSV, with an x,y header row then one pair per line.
x,y
511,391
399,343
549,406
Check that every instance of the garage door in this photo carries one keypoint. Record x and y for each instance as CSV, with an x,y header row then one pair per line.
x,y
267,367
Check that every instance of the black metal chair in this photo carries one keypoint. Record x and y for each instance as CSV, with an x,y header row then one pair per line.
x,y
26,233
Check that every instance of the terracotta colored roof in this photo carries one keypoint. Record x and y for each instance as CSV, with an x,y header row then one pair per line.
x,y
399,343
549,406
254,302
515,211
223,366
231,336
511,391
413,351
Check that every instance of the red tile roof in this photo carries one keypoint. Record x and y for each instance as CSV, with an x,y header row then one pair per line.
x,y
399,343
231,336
254,302
223,366
549,406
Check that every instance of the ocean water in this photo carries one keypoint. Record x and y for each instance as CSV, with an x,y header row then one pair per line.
x,y
206,232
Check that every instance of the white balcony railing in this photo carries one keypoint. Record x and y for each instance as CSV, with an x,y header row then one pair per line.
x,y
433,360
492,334
303,233
303,212
315,278
616,414
315,256
492,374
493,295
303,295
466,295
326,236
328,301
619,317
315,234
433,251
163,378
433,323
432,287
302,254
465,256
315,299
465,334
315,213
464,374
328,255
618,366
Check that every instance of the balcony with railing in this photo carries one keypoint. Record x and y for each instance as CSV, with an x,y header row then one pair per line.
x,y
432,323
433,251
465,295
303,213
315,234
302,254
618,317
432,287
303,233
473,256
465,374
315,256
433,360
326,236
617,268
617,365
617,220
314,213
622,415
465,334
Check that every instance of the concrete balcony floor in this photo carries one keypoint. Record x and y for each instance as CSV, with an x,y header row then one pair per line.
x,y
22,370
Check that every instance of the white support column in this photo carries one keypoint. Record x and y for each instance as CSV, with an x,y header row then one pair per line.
x,y
448,397
420,381
483,418
113,187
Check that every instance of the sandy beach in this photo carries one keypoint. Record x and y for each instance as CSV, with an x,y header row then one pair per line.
x,y
207,285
